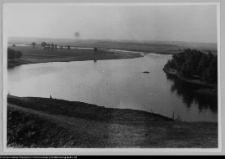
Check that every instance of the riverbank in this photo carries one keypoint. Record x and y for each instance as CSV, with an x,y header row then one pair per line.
x,y
33,56
209,89
46,122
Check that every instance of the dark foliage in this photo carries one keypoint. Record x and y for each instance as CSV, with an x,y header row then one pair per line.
x,y
33,44
95,49
48,46
195,64
43,44
12,54
18,54
52,46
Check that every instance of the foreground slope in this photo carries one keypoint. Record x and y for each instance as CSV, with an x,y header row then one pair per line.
x,y
44,122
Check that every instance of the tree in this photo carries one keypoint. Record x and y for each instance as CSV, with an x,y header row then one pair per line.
x,y
11,54
33,44
170,64
186,70
202,65
95,49
179,59
48,46
18,54
52,46
43,44
210,74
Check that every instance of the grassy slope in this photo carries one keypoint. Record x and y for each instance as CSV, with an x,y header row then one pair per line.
x,y
42,122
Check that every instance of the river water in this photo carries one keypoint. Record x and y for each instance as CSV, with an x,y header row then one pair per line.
x,y
116,84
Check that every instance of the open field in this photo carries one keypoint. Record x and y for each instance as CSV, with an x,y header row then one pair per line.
x,y
45,122
38,55
163,47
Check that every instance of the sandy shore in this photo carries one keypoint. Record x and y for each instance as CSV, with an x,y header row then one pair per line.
x,y
45,122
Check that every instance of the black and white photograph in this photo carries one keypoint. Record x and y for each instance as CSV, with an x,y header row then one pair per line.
x,y
111,75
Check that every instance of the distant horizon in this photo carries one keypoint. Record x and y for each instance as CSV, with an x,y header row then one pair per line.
x,y
114,40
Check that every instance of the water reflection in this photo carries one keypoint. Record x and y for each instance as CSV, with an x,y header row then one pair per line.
x,y
188,93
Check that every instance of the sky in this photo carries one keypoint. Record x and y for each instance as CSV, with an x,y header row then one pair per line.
x,y
192,23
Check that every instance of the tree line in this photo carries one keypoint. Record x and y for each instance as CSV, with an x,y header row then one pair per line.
x,y
52,46
195,64
48,46
13,55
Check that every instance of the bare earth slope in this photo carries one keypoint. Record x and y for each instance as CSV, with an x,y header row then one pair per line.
x,y
43,122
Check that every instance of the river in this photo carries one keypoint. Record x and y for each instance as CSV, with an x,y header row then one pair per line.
x,y
116,84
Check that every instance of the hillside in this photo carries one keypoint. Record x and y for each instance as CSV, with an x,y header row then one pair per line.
x,y
44,122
